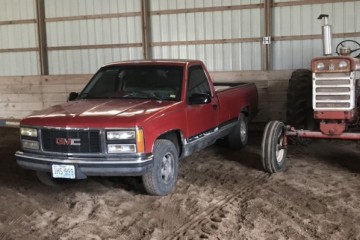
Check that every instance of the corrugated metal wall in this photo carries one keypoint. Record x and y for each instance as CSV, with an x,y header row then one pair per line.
x,y
63,32
18,36
226,34
217,25
302,21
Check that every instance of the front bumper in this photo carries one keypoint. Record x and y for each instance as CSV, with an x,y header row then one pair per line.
x,y
86,166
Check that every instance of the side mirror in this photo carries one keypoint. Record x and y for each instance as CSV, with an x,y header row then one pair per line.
x,y
199,98
73,96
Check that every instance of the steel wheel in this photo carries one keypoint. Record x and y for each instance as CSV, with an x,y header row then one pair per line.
x,y
239,136
160,179
273,149
167,168
243,132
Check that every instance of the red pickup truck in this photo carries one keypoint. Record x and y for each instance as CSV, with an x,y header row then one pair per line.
x,y
136,118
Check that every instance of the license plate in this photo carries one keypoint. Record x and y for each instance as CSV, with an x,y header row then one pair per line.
x,y
63,171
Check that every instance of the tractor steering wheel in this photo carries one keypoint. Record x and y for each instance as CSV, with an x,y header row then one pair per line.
x,y
353,45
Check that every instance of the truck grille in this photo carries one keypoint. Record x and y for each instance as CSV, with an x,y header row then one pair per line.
x,y
71,141
333,91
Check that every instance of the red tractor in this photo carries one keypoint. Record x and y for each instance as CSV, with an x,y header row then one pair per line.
x,y
325,101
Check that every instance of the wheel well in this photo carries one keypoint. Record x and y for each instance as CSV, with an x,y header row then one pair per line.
x,y
245,110
175,137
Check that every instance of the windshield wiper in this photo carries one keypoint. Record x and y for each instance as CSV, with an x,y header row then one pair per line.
x,y
88,96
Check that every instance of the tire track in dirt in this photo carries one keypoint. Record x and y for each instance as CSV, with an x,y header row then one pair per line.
x,y
33,212
309,201
13,219
213,213
302,220
290,213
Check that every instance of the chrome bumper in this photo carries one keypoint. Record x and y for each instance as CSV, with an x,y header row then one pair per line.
x,y
90,166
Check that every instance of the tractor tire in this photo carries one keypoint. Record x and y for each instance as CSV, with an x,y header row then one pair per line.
x,y
160,179
46,179
238,138
299,111
273,150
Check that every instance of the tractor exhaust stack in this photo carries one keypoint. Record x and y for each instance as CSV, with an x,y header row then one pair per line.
x,y
326,35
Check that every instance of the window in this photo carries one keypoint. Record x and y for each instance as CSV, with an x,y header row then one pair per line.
x,y
158,82
197,81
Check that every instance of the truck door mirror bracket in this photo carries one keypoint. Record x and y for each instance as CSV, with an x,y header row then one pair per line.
x,y
199,98
73,96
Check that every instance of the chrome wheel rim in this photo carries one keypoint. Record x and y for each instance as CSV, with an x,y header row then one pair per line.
x,y
280,151
243,131
167,168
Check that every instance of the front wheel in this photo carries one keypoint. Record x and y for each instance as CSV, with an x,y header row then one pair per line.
x,y
273,147
161,177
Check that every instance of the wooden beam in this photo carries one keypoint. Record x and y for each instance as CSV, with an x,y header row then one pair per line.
x,y
96,16
11,50
146,29
102,46
315,36
181,43
308,2
203,42
42,42
12,22
207,9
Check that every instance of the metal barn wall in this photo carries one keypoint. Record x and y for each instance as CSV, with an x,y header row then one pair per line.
x,y
226,34
302,21
224,40
18,31
85,34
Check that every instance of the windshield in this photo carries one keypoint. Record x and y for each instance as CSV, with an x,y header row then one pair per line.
x,y
141,82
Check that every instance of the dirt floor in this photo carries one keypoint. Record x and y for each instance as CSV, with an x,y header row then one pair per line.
x,y
220,194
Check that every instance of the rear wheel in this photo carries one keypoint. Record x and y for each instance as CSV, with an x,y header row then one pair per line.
x,y
238,138
160,179
273,149
299,111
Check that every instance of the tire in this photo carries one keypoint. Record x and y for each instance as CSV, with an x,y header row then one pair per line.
x,y
48,180
273,152
299,111
238,138
160,179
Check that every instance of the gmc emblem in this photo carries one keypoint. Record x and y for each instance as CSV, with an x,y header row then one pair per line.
x,y
68,141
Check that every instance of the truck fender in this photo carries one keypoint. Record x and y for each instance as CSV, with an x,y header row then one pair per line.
x,y
176,136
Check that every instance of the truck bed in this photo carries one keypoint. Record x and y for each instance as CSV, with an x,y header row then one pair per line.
x,y
219,87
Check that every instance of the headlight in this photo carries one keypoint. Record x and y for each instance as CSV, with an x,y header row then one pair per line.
x,y
120,135
29,132
320,66
29,144
121,148
343,64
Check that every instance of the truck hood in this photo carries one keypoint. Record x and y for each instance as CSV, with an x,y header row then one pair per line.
x,y
109,113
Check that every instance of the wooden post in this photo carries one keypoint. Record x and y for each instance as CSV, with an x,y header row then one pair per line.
x,y
42,42
146,28
267,54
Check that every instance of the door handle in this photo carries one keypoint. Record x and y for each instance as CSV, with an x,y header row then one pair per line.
x,y
215,106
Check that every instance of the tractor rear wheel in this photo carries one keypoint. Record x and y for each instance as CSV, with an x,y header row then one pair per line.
x,y
299,111
273,148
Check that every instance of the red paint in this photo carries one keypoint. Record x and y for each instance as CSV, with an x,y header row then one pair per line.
x,y
332,128
354,63
334,115
320,135
154,117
